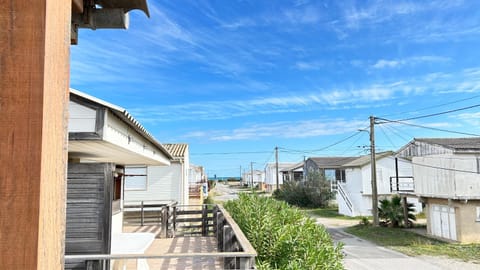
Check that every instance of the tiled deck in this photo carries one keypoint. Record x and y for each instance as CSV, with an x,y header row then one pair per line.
x,y
191,244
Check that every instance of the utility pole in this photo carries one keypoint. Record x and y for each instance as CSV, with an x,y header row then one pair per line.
x,y
251,172
241,180
276,165
374,172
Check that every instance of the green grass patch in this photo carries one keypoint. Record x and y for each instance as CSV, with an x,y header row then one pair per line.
x,y
329,213
414,244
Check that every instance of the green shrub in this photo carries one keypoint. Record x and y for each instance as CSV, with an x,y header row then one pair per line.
x,y
314,192
283,237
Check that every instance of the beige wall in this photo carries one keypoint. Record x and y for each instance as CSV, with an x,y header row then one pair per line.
x,y
468,229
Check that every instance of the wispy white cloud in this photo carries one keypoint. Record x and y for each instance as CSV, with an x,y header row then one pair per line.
x,y
369,96
409,61
283,129
308,65
472,119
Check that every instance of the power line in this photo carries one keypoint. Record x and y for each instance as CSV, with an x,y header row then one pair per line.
x,y
388,138
425,127
440,168
324,148
230,153
440,113
435,106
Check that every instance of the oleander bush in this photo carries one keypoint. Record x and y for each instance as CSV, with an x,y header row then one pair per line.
x,y
283,237
314,192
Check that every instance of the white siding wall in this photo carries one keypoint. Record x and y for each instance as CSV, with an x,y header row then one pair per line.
x,y
184,189
385,170
353,189
270,171
117,222
81,118
163,183
450,182
119,133
359,188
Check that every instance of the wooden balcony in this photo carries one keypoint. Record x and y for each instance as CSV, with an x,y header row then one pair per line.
x,y
184,237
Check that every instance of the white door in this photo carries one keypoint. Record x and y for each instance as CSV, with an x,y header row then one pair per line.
x,y
443,221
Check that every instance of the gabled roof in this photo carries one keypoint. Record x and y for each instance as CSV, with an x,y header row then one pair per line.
x,y
297,166
331,162
125,116
457,144
178,150
417,147
364,160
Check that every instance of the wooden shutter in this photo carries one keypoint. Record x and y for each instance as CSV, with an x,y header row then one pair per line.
x,y
89,209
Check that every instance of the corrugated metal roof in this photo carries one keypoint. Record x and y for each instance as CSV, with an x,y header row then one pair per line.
x,y
331,162
469,144
364,160
126,117
178,150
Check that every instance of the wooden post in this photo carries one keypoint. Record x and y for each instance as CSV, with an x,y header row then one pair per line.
x,y
142,214
204,220
34,83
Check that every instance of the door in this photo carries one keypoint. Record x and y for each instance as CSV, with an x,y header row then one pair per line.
x,y
443,221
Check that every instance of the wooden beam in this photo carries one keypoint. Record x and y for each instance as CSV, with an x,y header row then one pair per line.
x,y
77,6
34,80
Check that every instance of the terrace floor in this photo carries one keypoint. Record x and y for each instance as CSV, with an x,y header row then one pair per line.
x,y
186,245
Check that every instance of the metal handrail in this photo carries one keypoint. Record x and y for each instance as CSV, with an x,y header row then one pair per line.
x,y
345,197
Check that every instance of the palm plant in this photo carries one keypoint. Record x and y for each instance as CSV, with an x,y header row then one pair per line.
x,y
391,211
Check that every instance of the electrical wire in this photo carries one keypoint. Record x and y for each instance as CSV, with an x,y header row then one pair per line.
x,y
425,127
323,148
230,153
386,136
434,106
440,168
440,113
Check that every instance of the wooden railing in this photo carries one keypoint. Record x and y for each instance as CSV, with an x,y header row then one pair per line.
x,y
178,220
151,213
230,238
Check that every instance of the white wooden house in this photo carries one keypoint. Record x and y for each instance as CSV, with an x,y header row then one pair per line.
x,y
103,140
354,196
160,183
293,173
447,179
196,174
258,178
332,168
270,174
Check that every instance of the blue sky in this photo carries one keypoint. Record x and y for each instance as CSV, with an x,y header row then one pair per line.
x,y
234,79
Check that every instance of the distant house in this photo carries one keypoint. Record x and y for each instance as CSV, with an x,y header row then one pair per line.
x,y
103,140
160,183
355,192
447,179
332,168
258,178
196,174
293,173
271,172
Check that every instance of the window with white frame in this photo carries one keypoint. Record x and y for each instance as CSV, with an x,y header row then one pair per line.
x,y
478,214
136,178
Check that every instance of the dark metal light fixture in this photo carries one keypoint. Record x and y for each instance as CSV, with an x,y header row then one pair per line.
x,y
103,14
